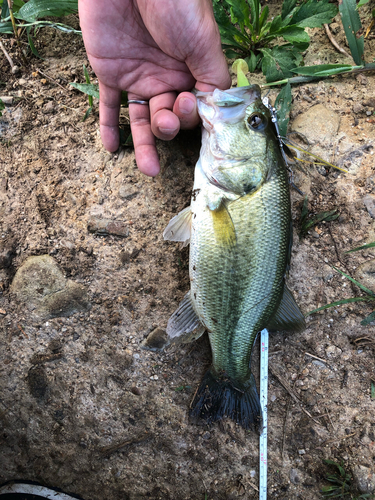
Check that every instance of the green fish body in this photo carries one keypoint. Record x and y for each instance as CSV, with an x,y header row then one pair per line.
x,y
239,227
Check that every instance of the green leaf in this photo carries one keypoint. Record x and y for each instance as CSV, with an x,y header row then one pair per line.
x,y
254,14
87,78
363,247
361,3
87,114
294,34
352,24
31,43
314,13
339,303
239,12
2,106
362,287
6,28
368,319
277,62
322,70
263,17
287,8
252,61
87,88
282,104
36,9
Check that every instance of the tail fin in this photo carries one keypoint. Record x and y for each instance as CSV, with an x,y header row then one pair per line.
x,y
217,398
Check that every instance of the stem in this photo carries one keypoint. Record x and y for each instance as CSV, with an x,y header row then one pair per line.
x,y
10,5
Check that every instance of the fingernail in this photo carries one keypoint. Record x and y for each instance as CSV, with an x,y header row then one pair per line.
x,y
167,131
186,106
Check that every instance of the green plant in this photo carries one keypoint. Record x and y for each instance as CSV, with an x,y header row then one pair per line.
x,y
307,222
369,297
2,106
342,485
246,32
30,16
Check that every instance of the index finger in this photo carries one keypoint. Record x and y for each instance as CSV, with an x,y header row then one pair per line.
x,y
146,155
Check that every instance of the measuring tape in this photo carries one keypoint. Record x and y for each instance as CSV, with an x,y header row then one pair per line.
x,y
263,405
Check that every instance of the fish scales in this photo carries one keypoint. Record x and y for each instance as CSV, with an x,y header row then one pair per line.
x,y
239,227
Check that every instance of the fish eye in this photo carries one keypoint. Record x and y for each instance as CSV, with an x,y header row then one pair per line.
x,y
257,121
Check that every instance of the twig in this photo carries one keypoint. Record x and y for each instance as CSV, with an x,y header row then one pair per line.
x,y
334,440
287,387
50,78
333,41
15,69
315,357
108,450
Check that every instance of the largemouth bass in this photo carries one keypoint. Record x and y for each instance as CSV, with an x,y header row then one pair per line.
x,y
240,234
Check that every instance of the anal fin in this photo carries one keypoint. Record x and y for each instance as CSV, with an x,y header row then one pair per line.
x,y
184,325
288,316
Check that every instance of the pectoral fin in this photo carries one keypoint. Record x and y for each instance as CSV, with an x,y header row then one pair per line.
x,y
179,228
288,316
184,325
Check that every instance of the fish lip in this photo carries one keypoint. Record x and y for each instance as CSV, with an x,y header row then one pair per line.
x,y
252,91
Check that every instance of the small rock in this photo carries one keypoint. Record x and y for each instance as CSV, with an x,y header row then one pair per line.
x,y
362,79
333,351
22,81
106,227
126,194
358,108
156,340
365,273
365,478
318,123
301,452
49,107
7,99
369,202
41,285
294,476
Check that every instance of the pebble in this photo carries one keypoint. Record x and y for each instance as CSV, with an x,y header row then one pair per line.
x,y
318,123
369,202
107,227
358,108
155,341
42,286
7,99
333,351
294,475
365,478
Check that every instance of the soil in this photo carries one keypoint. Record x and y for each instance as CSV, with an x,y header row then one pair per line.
x,y
82,406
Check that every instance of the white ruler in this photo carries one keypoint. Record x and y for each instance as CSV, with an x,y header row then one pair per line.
x,y
263,405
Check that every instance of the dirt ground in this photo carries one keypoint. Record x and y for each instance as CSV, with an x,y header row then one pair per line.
x,y
82,406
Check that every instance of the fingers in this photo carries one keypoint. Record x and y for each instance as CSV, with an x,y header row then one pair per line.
x,y
146,155
109,107
164,123
185,108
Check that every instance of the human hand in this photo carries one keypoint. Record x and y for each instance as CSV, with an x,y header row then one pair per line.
x,y
153,49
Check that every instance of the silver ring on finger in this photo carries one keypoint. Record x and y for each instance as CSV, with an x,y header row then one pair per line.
x,y
137,101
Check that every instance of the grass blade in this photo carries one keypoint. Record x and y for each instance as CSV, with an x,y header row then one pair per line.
x,y
352,24
363,247
339,303
368,319
362,287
